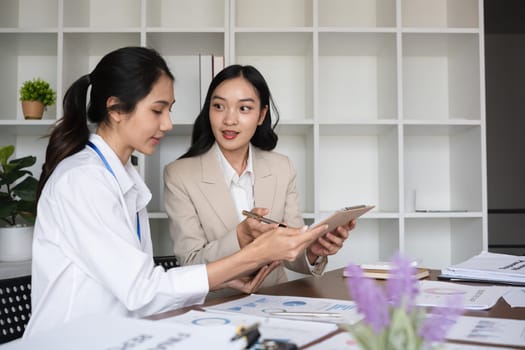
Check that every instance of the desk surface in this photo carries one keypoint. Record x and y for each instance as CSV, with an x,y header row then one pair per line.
x,y
332,285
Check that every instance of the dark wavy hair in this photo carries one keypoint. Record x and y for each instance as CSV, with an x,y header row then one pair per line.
x,y
128,74
265,138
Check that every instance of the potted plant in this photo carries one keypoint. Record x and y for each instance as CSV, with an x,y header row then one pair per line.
x,y
36,95
17,205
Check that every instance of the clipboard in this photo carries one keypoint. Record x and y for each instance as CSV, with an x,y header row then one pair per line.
x,y
343,216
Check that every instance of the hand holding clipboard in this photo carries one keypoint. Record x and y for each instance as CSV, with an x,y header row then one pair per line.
x,y
343,216
338,218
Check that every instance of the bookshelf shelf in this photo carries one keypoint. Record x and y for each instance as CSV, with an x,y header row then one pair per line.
x,y
381,101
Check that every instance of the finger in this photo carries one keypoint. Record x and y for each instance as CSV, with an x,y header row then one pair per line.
x,y
333,239
328,247
312,234
260,211
261,227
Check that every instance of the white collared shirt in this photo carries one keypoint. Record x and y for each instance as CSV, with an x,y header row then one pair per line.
x,y
240,187
87,257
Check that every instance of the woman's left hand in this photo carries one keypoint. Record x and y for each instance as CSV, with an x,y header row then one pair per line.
x,y
250,284
330,243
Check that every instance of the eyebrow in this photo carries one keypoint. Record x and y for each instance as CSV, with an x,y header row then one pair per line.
x,y
164,102
248,99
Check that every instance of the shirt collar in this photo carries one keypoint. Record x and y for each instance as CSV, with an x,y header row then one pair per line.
x,y
125,174
227,169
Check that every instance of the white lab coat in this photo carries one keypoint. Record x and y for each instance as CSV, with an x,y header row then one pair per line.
x,y
87,257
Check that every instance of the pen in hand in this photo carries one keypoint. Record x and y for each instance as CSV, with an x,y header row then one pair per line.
x,y
262,218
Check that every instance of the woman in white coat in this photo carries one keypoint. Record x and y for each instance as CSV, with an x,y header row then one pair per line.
x,y
92,250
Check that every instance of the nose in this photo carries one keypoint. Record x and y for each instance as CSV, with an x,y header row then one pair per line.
x,y
166,123
231,117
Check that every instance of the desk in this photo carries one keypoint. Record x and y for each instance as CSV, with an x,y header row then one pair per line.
x,y
332,285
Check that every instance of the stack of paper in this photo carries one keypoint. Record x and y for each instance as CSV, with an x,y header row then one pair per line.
x,y
489,267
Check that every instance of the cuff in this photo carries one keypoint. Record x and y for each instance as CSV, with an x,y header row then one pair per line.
x,y
319,265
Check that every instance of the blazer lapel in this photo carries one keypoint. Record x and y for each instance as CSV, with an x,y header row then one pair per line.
x,y
214,188
265,181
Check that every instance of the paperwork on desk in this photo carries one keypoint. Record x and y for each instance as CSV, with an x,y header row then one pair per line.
x,y
475,297
515,297
485,330
345,341
291,307
292,331
489,267
111,333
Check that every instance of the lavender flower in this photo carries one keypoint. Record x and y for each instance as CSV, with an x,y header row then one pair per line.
x,y
392,320
402,285
440,319
370,299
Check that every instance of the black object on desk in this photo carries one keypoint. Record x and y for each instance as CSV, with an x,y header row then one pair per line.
x,y
269,344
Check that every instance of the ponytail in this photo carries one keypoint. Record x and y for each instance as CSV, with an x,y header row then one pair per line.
x,y
128,74
71,133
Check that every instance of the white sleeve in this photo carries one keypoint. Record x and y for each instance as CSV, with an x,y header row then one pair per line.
x,y
98,237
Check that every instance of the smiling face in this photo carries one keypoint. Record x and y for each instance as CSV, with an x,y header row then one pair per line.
x,y
235,113
143,128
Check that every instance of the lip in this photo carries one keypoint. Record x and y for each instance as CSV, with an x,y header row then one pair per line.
x,y
229,134
156,140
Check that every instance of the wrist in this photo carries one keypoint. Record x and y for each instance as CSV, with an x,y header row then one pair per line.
x,y
312,258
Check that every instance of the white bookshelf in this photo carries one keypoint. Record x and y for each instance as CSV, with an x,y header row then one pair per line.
x,y
381,101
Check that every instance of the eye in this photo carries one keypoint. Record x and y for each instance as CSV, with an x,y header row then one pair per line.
x,y
246,108
157,112
217,106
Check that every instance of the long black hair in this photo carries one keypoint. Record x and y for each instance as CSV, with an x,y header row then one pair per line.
x,y
128,74
264,138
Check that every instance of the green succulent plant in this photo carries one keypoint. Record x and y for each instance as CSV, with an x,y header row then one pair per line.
x,y
17,188
37,90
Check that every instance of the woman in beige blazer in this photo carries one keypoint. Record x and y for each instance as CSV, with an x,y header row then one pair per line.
x,y
233,137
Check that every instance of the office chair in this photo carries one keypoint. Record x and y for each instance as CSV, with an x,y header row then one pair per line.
x,y
15,307
167,262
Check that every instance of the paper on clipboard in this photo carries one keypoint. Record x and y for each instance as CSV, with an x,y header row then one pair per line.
x,y
343,216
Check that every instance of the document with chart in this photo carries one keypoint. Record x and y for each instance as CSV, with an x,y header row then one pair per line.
x,y
290,307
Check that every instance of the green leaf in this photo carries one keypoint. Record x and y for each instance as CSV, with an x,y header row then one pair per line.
x,y
5,153
365,336
24,162
26,189
402,335
10,177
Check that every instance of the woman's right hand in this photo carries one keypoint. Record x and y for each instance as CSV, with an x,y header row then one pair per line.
x,y
249,229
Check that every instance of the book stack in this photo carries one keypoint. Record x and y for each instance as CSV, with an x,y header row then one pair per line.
x,y
489,267
381,270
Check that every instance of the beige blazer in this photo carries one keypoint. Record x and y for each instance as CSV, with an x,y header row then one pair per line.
x,y
202,215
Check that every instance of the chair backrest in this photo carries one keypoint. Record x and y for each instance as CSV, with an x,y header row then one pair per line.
x,y
166,261
15,307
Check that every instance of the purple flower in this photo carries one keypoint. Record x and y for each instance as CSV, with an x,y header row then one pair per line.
x,y
402,285
370,299
440,319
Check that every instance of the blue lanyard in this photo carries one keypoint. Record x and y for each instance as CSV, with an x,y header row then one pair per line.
x,y
104,160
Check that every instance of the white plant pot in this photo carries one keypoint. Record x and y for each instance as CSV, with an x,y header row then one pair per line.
x,y
16,243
